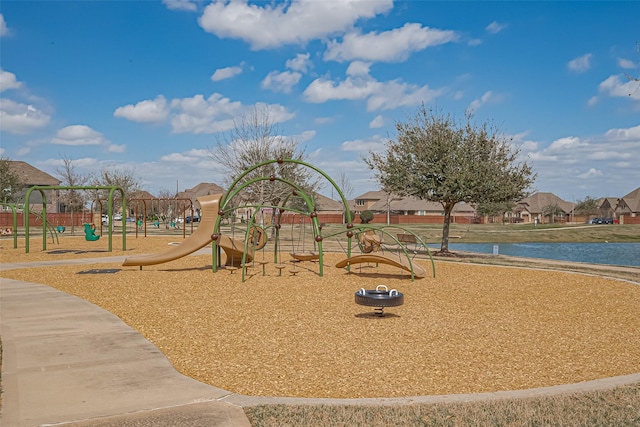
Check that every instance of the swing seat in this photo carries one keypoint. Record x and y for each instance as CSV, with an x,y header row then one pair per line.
x,y
305,256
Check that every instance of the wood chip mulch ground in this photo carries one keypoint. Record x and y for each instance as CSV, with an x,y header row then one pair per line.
x,y
471,329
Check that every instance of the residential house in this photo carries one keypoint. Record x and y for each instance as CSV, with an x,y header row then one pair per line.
x,y
202,189
380,202
31,176
543,208
139,203
327,205
607,206
629,205
365,201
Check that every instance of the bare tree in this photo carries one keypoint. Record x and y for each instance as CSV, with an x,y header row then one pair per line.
x,y
75,200
629,76
124,178
166,207
255,139
345,185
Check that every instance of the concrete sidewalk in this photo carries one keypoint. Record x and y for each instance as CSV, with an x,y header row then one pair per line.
x,y
69,362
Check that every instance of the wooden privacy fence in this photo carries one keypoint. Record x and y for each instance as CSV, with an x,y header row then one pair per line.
x,y
55,219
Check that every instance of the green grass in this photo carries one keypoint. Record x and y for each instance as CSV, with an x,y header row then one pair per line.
x,y
617,407
512,233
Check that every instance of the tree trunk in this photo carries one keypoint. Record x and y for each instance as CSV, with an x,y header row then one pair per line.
x,y
444,246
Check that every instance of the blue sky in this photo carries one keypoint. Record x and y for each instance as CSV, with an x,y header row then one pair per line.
x,y
148,85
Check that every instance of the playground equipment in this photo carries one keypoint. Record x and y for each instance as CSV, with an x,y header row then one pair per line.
x,y
14,230
200,238
394,260
45,224
228,251
186,205
90,233
379,298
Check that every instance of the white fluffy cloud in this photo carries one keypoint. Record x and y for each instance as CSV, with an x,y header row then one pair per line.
x,y
375,143
215,114
187,5
360,86
4,30
626,63
226,73
486,98
79,135
148,111
376,123
612,155
581,63
495,27
615,86
269,25
389,46
300,63
8,81
20,118
281,81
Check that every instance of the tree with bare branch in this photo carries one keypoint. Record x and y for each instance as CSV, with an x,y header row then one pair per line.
x,y
254,139
124,178
74,200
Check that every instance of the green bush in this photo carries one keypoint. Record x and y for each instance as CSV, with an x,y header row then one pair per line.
x,y
366,217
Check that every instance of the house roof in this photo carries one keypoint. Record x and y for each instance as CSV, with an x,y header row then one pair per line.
x,y
141,194
372,195
612,201
202,189
633,200
31,175
415,204
324,203
536,203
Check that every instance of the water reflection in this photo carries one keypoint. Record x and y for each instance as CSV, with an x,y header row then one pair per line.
x,y
623,254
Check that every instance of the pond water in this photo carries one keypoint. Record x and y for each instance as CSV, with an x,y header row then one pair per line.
x,y
624,254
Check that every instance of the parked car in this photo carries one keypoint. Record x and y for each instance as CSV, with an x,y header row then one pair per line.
x,y
607,220
117,217
192,218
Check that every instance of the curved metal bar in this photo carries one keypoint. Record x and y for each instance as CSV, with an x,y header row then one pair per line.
x,y
41,188
15,222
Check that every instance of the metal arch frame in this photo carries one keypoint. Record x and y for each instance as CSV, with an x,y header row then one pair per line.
x,y
15,222
235,188
112,189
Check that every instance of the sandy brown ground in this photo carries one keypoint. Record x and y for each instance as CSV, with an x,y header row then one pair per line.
x,y
471,329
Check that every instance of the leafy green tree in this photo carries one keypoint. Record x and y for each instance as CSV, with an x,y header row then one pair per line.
x,y
439,159
10,182
366,217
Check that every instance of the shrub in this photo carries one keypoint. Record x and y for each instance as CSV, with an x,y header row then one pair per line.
x,y
366,217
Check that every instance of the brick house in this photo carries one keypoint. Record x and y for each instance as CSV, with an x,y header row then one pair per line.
x,y
31,176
